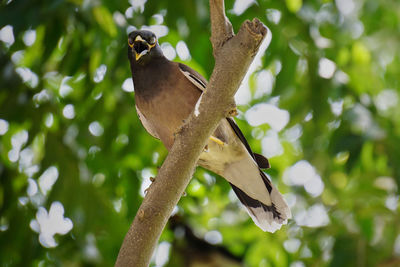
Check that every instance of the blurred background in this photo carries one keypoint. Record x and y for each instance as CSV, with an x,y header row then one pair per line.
x,y
322,102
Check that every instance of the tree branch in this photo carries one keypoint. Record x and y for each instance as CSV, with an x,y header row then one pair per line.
x,y
233,55
221,27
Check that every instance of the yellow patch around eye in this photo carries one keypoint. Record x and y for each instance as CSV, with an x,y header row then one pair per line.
x,y
130,45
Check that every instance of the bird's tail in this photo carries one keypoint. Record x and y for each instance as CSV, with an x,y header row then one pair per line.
x,y
269,217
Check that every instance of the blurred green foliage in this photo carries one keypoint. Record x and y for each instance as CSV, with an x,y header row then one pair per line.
x,y
69,134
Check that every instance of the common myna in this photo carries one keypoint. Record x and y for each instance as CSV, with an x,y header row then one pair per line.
x,y
166,93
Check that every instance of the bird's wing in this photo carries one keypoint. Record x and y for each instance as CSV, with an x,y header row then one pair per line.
x,y
262,200
261,161
201,83
193,76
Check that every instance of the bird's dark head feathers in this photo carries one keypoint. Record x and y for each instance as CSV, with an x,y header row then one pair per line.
x,y
142,47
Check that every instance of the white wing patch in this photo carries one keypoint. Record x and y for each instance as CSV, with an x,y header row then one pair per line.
x,y
197,82
197,107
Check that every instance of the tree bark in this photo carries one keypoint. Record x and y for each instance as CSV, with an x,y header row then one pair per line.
x,y
233,55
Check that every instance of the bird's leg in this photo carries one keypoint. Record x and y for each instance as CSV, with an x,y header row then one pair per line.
x,y
217,140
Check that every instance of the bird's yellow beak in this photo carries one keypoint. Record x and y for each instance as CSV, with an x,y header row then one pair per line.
x,y
140,46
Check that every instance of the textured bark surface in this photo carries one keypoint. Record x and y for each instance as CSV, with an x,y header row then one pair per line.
x,y
233,55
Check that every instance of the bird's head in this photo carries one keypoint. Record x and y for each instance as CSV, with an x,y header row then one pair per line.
x,y
143,46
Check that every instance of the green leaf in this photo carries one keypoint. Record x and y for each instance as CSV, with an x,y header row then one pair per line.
x,y
105,20
294,5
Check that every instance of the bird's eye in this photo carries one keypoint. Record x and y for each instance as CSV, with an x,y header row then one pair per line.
x,y
152,40
130,42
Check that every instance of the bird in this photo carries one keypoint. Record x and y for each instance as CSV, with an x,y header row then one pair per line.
x,y
166,93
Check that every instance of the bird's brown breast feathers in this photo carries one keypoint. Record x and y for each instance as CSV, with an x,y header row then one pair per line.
x,y
166,110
